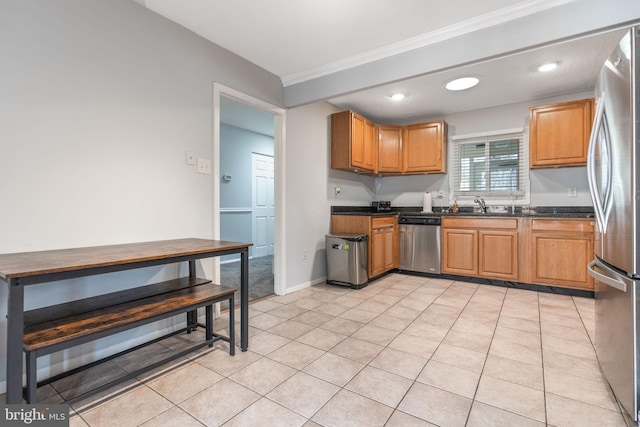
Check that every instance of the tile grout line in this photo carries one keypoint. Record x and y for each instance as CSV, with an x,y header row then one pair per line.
x,y
415,380
544,380
473,399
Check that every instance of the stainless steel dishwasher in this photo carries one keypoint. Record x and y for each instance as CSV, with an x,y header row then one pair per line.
x,y
419,249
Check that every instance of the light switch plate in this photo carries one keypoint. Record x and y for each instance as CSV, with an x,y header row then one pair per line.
x,y
204,166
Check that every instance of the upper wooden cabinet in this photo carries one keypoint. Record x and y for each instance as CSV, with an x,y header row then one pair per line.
x,y
390,149
353,143
559,133
424,148
359,145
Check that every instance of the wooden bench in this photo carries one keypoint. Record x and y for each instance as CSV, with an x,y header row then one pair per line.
x,y
54,328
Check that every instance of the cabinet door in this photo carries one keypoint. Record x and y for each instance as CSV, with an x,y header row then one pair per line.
x,y
460,251
370,146
357,141
424,148
390,149
377,252
561,249
383,245
498,254
389,237
352,142
559,134
561,259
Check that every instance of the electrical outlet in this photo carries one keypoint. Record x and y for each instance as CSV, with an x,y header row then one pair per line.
x,y
305,254
573,192
204,166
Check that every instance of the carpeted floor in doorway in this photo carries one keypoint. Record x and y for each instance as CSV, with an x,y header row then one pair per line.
x,y
260,277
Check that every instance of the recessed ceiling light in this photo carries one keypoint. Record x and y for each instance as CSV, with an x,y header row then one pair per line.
x,y
548,66
397,96
462,83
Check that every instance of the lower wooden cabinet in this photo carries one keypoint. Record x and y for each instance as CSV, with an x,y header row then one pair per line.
x,y
498,253
459,251
483,247
382,243
543,251
560,252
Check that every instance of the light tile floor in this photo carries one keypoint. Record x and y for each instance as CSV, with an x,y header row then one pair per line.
x,y
404,351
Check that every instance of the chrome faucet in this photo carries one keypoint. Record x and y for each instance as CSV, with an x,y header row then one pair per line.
x,y
483,206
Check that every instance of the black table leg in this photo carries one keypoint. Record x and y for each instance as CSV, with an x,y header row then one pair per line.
x,y
15,319
244,299
192,316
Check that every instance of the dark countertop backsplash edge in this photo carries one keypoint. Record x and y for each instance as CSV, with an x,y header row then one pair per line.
x,y
546,211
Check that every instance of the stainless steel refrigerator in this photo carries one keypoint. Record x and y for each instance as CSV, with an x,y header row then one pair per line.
x,y
614,179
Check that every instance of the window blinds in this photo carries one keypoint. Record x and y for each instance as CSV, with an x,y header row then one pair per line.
x,y
491,164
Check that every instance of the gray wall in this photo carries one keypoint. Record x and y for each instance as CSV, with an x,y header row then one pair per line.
x,y
549,187
99,99
236,147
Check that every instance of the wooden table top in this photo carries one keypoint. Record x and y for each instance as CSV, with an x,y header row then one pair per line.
x,y
28,264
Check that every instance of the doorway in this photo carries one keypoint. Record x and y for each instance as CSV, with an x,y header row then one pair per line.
x,y
223,98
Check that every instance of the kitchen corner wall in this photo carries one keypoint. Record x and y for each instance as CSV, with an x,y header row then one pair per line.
x,y
549,187
310,192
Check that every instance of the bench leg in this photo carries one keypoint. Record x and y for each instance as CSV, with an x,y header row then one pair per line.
x,y
232,326
192,321
209,323
32,380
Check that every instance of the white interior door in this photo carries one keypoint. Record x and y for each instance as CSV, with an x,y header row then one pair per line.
x,y
263,206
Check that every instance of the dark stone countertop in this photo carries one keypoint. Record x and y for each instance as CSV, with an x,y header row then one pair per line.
x,y
538,212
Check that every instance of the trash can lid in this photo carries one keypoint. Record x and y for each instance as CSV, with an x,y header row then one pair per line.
x,y
349,237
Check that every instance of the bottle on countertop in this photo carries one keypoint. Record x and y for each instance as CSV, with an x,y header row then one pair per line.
x,y
454,207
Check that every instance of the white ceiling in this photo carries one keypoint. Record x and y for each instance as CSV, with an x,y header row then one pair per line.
x,y
304,42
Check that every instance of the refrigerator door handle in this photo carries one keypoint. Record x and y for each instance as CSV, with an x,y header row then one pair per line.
x,y
601,199
616,283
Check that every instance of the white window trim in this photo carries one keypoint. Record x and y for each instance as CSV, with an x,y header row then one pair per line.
x,y
519,198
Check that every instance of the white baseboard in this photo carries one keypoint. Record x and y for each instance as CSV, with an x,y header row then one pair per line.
x,y
305,285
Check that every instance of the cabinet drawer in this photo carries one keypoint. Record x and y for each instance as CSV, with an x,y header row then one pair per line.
x,y
567,225
472,222
387,221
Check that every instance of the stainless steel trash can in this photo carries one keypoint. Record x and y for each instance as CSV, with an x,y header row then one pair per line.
x,y
347,260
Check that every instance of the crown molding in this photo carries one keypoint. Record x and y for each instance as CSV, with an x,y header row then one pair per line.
x,y
455,30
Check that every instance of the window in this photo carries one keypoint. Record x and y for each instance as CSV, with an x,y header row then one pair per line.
x,y
492,164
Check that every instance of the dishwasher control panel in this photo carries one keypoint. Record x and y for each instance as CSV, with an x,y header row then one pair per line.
x,y
420,220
